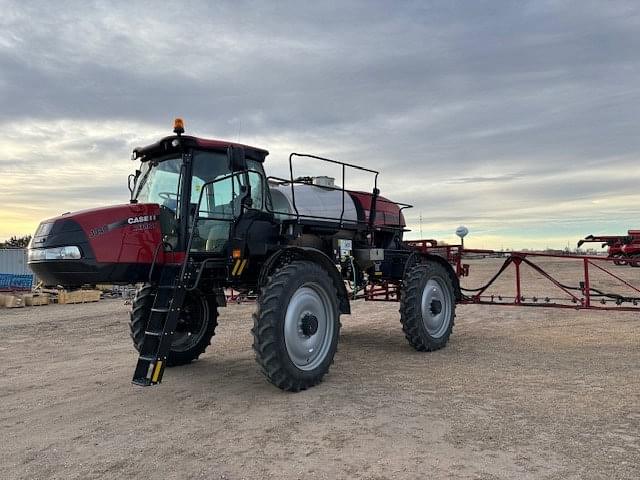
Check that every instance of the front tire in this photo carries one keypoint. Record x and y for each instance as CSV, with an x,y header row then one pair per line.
x,y
427,306
196,325
296,326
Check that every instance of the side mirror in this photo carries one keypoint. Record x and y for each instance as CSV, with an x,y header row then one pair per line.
x,y
132,181
238,160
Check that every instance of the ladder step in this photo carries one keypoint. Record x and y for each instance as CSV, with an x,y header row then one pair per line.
x,y
153,333
148,371
142,381
148,358
160,310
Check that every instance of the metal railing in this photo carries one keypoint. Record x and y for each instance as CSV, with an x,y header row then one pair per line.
x,y
297,216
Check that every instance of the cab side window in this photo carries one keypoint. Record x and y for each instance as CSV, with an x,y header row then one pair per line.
x,y
259,192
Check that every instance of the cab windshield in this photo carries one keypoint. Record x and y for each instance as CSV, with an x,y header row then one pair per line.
x,y
159,182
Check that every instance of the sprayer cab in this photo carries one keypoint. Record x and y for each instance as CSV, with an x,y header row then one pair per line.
x,y
118,244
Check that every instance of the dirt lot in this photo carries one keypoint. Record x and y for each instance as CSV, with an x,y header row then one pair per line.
x,y
518,393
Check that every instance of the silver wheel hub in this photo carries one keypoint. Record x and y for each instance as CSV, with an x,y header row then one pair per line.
x,y
308,326
435,307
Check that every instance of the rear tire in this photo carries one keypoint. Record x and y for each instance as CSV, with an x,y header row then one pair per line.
x,y
296,326
427,306
196,326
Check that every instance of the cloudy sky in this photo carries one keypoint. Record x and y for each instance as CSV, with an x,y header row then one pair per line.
x,y
517,119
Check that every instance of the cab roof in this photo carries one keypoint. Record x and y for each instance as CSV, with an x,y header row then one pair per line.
x,y
166,146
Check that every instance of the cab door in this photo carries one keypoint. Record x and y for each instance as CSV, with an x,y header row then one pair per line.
x,y
256,230
215,196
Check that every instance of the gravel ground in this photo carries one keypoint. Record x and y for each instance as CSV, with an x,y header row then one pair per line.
x,y
517,393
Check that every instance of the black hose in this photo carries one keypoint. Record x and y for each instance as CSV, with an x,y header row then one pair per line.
x,y
493,279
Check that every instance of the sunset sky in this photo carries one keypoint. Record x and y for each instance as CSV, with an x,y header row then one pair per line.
x,y
517,119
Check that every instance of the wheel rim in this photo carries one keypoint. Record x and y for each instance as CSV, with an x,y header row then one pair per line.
x,y
436,307
308,326
191,325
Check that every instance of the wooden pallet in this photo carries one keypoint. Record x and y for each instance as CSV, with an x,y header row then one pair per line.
x,y
78,296
47,296
10,300
36,299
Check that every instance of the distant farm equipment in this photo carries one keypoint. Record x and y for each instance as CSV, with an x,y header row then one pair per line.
x,y
623,249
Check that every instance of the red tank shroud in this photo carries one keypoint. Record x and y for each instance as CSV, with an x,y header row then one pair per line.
x,y
388,214
116,244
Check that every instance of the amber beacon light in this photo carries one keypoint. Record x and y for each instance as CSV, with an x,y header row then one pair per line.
x,y
178,126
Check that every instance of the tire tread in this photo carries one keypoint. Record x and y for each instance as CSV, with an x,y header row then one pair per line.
x,y
410,313
139,316
266,321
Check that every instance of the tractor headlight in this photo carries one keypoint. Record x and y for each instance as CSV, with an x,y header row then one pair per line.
x,y
57,253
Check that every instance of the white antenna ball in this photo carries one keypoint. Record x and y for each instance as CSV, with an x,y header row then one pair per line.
x,y
462,231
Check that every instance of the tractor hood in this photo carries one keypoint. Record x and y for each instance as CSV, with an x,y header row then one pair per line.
x,y
114,244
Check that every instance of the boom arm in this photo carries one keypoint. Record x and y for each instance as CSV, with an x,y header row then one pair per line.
x,y
606,239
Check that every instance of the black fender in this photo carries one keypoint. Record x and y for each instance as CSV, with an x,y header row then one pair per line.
x,y
419,257
288,254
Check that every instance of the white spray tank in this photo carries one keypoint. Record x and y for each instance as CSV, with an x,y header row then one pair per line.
x,y
317,198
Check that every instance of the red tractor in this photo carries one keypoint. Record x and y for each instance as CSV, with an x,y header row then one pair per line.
x,y
203,217
624,249
631,249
